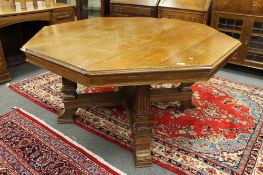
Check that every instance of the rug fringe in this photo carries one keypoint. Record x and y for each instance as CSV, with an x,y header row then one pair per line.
x,y
72,141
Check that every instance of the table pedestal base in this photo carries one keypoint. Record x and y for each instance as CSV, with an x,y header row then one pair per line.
x,y
137,100
69,94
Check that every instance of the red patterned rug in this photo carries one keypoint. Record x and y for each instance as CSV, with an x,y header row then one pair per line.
x,y
29,146
224,136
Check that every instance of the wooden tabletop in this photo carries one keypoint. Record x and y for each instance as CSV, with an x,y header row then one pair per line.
x,y
117,46
6,9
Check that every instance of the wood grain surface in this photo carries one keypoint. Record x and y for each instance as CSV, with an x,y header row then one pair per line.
x,y
120,47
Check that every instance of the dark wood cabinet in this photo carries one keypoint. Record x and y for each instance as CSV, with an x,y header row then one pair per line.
x,y
133,8
243,21
187,10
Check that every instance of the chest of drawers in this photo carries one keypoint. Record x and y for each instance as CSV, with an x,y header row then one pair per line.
x,y
187,10
133,8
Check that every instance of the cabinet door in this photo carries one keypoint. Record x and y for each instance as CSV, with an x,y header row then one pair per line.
x,y
254,52
234,26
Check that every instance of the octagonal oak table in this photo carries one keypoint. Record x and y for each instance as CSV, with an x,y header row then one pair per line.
x,y
131,53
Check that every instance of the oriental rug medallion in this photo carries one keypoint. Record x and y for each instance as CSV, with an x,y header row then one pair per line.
x,y
223,136
29,146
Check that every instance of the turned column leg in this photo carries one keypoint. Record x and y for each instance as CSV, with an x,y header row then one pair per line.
x,y
69,93
187,103
141,126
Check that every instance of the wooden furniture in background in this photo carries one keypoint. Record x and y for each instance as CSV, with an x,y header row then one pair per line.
x,y
82,9
56,13
187,10
243,20
104,8
140,55
132,8
79,8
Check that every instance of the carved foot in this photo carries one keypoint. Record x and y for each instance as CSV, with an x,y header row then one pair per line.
x,y
66,116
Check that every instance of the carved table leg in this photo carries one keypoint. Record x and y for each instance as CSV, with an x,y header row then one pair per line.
x,y
69,93
141,126
187,103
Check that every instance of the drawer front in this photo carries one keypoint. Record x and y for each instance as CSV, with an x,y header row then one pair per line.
x,y
182,15
62,16
125,10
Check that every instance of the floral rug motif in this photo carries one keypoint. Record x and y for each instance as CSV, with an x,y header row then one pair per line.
x,y
223,136
29,146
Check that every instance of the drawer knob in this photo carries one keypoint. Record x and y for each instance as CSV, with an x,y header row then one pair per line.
x,y
168,16
193,18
